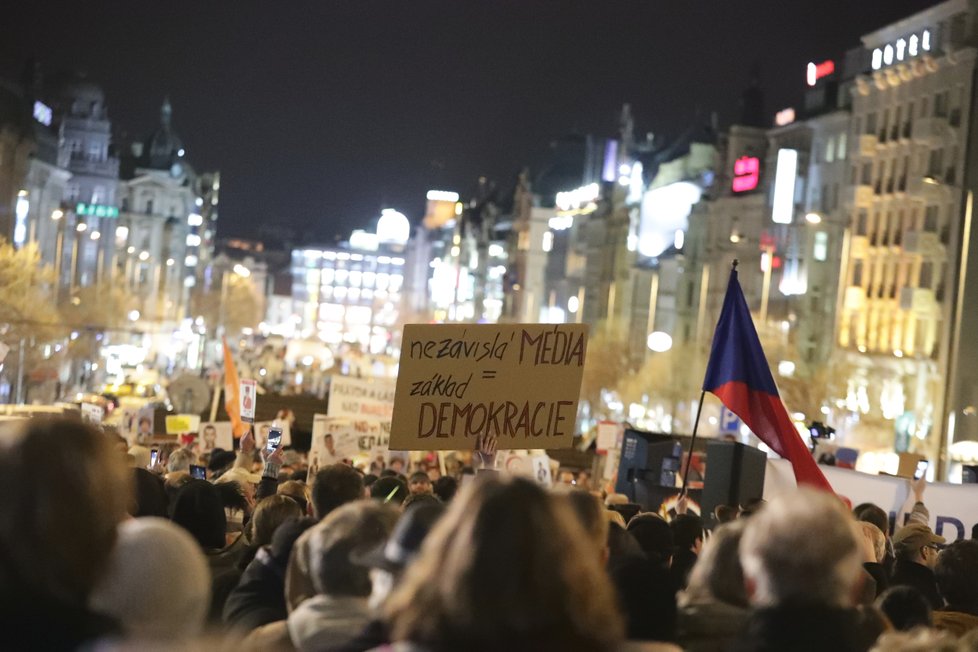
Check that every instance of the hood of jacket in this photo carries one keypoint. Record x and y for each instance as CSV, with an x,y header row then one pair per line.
x,y
322,621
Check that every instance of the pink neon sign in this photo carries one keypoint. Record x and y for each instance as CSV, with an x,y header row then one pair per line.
x,y
746,173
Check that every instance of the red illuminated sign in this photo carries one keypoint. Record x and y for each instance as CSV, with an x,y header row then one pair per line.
x,y
818,70
747,173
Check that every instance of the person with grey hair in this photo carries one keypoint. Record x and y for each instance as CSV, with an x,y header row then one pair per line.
x,y
180,460
802,567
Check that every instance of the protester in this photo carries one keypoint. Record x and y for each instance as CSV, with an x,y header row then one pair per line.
x,y
299,492
389,489
339,611
905,608
259,597
180,460
65,490
874,543
915,547
333,486
714,608
870,513
802,564
445,488
157,584
687,537
269,514
956,572
198,509
419,483
507,568
645,589
150,497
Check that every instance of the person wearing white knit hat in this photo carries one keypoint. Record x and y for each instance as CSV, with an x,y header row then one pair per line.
x,y
158,583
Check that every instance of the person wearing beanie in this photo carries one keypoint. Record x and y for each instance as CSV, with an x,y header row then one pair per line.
x,y
157,585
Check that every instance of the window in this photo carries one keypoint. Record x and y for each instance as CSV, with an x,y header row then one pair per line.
x,y
867,174
926,275
95,151
821,249
940,104
149,206
935,163
871,124
862,222
930,219
924,106
840,152
830,150
857,273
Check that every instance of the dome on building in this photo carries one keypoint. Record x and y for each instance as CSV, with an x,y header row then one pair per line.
x,y
164,147
393,227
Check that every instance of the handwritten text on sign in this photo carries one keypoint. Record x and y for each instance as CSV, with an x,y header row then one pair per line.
x,y
361,399
519,382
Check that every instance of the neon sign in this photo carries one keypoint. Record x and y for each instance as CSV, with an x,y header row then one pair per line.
x,y
818,70
747,173
904,48
96,210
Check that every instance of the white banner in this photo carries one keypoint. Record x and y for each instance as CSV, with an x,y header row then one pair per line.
x,y
953,507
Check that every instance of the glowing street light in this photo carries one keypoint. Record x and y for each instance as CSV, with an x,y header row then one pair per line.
x,y
241,270
659,341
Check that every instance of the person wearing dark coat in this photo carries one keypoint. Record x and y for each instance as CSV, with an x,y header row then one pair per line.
x,y
259,597
802,566
916,548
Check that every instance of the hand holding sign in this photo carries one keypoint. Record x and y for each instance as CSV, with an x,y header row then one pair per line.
x,y
248,442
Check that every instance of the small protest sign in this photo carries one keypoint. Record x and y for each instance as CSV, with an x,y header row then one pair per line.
x,y
519,382
248,394
92,413
215,434
358,398
178,424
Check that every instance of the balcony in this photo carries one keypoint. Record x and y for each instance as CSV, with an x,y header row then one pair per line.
x,y
866,145
859,246
923,243
918,300
933,130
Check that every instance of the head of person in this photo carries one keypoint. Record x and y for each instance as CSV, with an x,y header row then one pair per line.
x,y
347,532
180,460
801,548
956,572
198,508
388,560
269,514
872,513
145,426
396,465
335,485
724,514
687,532
654,537
297,491
507,568
445,488
414,500
591,515
917,543
149,497
876,536
157,584
328,444
905,607
141,456
65,491
419,483
389,489
717,574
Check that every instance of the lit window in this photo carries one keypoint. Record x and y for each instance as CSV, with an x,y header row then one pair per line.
x,y
382,281
340,277
830,150
193,240
841,151
327,275
821,250
548,240
396,280
194,219
368,279
878,58
355,278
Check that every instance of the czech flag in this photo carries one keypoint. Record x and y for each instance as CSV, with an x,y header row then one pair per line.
x,y
232,404
738,374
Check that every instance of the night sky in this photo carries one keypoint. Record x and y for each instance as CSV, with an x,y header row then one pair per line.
x,y
320,113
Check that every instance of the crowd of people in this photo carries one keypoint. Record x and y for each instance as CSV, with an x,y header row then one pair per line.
x,y
101,550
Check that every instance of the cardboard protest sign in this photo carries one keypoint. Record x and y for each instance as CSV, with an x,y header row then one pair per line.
x,y
361,398
520,382
953,507
338,438
215,435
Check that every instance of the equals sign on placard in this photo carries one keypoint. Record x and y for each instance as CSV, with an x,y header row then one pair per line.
x,y
489,374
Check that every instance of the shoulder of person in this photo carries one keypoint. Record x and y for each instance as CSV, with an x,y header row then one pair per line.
x,y
648,646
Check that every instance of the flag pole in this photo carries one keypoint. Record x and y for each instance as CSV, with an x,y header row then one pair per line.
x,y
696,423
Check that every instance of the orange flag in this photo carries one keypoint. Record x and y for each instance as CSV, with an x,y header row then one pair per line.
x,y
232,401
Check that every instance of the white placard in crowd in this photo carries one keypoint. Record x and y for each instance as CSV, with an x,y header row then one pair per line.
x,y
361,399
248,392
215,435
953,507
92,413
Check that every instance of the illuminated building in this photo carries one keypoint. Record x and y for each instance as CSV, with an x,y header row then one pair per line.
x,y
351,295
909,292
162,238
